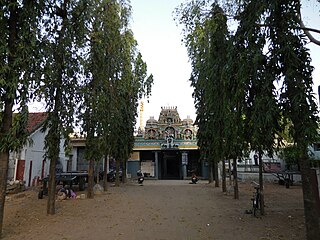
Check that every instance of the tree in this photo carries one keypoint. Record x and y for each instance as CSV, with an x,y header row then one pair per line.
x,y
18,21
116,78
132,86
269,48
236,143
206,38
216,91
290,155
262,113
62,39
292,62
101,68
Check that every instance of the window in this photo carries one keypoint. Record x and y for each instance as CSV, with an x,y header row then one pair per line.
x,y
316,146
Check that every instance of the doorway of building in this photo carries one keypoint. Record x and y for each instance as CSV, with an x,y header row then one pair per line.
x,y
170,165
21,164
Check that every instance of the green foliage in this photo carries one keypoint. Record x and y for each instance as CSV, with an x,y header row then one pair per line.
x,y
116,80
260,89
17,135
18,66
216,98
18,42
218,93
261,109
290,155
235,76
61,49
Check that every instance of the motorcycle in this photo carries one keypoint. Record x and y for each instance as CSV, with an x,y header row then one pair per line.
x,y
140,177
194,179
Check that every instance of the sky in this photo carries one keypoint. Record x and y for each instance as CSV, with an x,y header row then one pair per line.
x,y
311,18
159,40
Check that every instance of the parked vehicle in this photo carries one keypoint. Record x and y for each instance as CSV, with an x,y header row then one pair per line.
x,y
140,177
194,178
67,178
111,176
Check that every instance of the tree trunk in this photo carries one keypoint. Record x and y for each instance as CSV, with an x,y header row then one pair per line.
x,y
235,179
90,193
216,174
224,182
117,183
53,138
52,187
229,172
211,175
4,158
97,172
124,171
309,200
105,172
8,105
261,183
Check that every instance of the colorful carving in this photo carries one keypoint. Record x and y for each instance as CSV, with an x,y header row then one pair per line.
x,y
169,124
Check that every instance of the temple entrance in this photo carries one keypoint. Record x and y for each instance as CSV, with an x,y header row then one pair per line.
x,y
170,165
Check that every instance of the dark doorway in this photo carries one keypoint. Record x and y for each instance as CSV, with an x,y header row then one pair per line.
x,y
20,170
170,165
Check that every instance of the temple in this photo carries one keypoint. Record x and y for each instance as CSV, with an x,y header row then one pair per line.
x,y
167,148
163,149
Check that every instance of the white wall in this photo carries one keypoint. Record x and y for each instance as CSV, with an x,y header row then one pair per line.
x,y
316,153
34,151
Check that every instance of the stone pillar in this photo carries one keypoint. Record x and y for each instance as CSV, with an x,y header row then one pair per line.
x,y
156,165
184,163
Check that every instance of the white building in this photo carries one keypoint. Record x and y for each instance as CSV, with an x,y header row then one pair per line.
x,y
29,164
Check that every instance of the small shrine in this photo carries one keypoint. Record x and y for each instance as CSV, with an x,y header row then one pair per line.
x,y
167,148
170,125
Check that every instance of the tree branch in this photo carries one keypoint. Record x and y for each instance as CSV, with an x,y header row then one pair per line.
x,y
304,28
307,32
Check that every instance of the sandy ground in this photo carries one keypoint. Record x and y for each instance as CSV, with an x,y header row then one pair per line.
x,y
165,210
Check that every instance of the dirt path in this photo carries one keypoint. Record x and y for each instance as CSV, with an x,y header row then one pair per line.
x,y
158,210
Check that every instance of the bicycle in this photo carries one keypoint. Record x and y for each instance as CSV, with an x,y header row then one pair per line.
x,y
256,199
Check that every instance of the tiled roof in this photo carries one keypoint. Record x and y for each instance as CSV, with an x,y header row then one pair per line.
x,y
35,120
